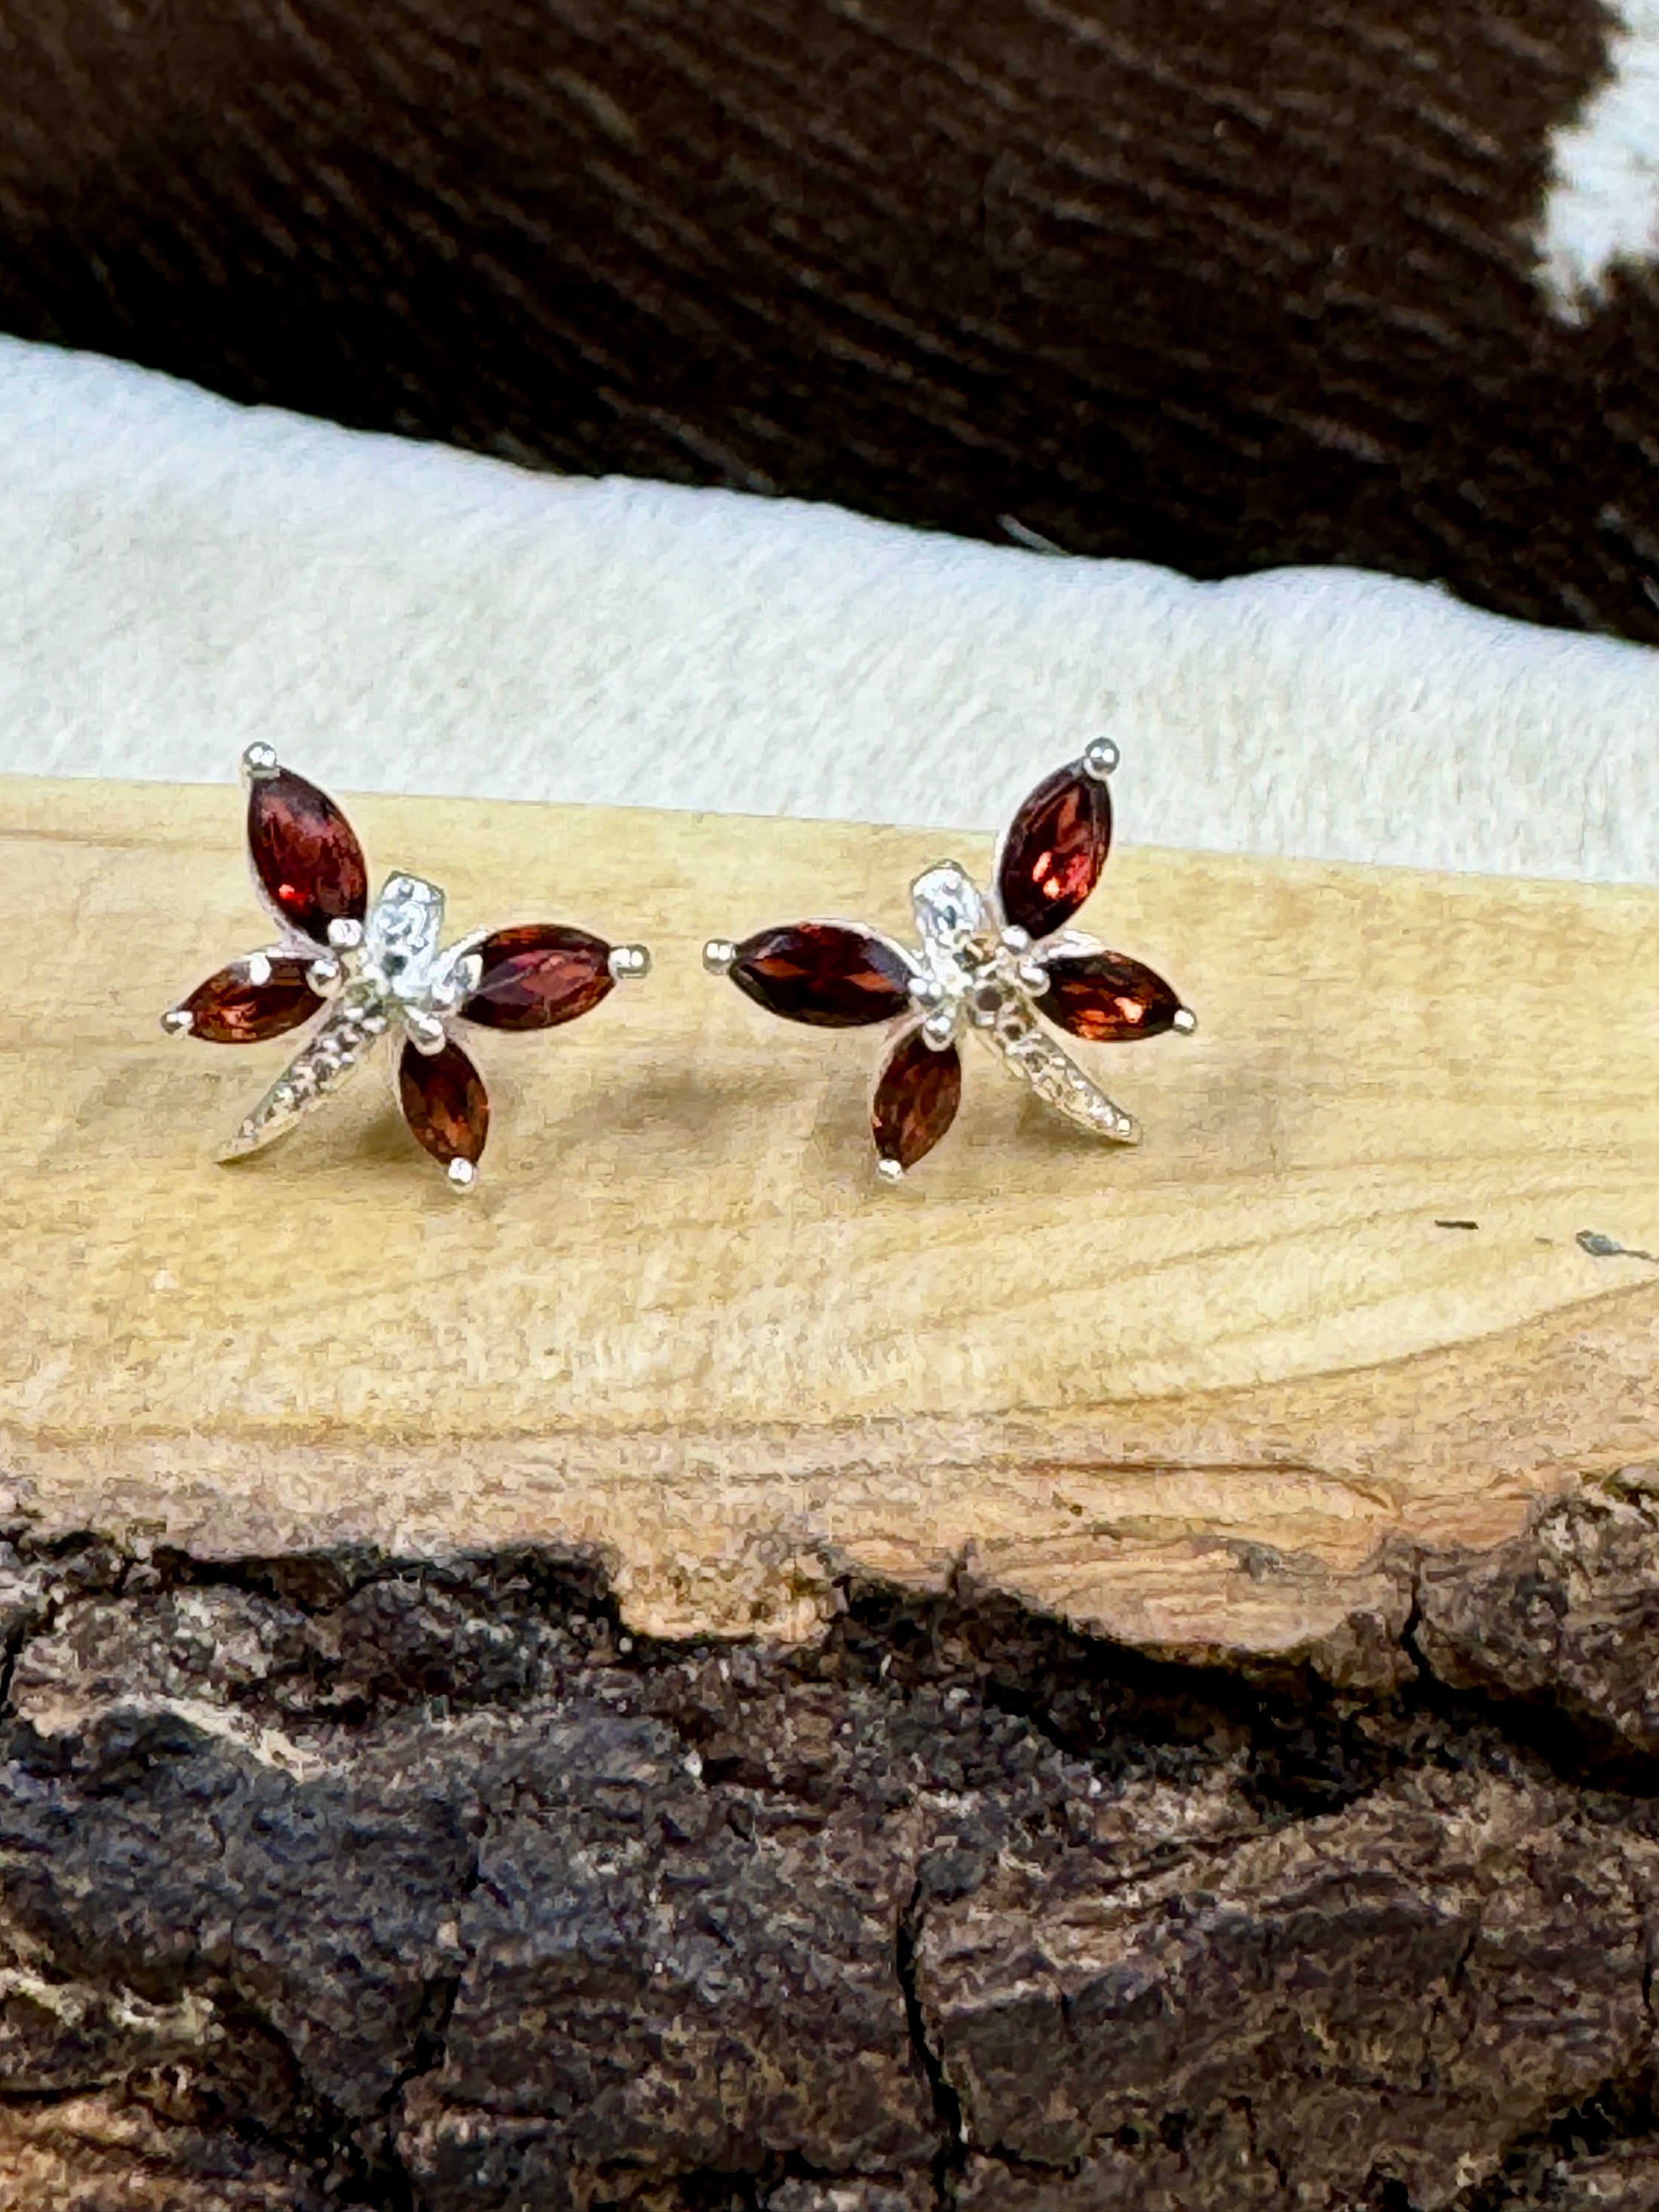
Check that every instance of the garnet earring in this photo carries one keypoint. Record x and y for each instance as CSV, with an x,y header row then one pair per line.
x,y
374,969
989,964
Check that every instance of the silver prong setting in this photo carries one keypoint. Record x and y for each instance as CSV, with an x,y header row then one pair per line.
x,y
1185,1022
177,1021
260,763
1100,758
720,956
458,975
890,1171
939,1032
258,967
631,963
345,934
425,1032
326,976
462,1175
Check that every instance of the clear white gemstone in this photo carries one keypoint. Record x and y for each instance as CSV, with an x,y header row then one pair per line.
x,y
400,940
949,911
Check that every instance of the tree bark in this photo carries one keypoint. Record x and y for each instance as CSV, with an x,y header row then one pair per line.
x,y
334,1880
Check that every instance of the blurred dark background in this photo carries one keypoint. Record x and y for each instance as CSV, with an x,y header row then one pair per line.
x,y
1219,283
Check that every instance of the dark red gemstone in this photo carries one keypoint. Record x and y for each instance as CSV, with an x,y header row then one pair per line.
x,y
231,1008
1108,999
1054,851
305,853
538,975
916,1099
824,973
444,1102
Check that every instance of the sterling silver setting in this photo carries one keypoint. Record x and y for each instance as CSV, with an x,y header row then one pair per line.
x,y
981,978
386,973
977,973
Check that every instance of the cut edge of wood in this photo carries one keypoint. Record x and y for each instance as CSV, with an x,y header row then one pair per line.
x,y
1247,1523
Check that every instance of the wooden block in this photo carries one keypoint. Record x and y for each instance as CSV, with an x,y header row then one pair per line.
x,y
1183,1396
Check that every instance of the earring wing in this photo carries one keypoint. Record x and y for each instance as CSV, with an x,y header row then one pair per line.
x,y
265,995
1106,997
445,1105
833,975
308,867
535,976
917,1095
1052,853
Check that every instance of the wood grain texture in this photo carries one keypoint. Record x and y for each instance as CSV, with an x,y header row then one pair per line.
x,y
1223,287
1184,1396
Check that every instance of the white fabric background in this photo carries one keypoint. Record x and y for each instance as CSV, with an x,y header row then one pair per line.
x,y
178,576
1603,202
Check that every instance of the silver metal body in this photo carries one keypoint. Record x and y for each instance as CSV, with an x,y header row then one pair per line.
x,y
387,975
974,974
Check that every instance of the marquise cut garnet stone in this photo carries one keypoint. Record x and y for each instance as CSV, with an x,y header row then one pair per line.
x,y
231,1008
305,853
1107,999
444,1102
1054,851
538,975
916,1099
824,973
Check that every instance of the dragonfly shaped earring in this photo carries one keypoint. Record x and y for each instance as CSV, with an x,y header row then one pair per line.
x,y
374,969
990,964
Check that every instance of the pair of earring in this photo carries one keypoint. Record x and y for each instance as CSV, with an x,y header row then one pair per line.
x,y
990,964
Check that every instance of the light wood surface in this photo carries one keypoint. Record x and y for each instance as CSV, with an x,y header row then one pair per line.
x,y
1184,1394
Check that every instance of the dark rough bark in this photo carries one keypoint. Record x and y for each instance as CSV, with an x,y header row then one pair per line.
x,y
349,1880
1569,1613
1222,286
